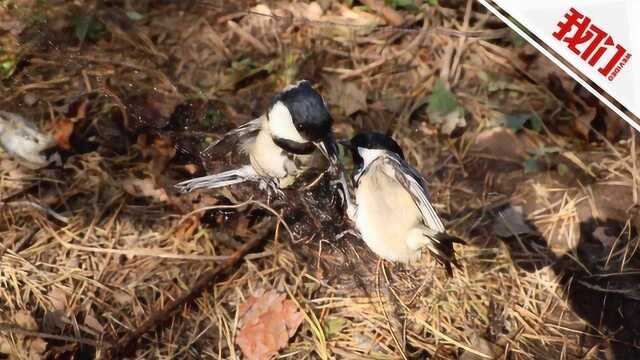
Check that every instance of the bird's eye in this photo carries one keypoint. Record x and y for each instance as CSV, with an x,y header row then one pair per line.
x,y
299,126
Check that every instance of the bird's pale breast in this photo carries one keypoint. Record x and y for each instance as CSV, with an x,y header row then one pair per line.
x,y
268,159
386,214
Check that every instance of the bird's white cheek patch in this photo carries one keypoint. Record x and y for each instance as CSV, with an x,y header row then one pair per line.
x,y
369,155
281,124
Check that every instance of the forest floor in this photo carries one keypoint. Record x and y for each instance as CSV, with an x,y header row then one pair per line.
x,y
535,174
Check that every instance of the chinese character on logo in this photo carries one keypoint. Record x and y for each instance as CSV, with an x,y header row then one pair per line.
x,y
595,40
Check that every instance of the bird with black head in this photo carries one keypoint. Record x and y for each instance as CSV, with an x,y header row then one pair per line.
x,y
392,210
280,144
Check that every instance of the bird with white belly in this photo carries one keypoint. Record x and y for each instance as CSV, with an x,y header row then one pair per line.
x,y
392,210
280,144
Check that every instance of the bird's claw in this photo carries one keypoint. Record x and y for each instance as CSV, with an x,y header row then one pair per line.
x,y
272,188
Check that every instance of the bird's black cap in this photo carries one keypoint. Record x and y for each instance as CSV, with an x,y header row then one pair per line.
x,y
372,140
308,110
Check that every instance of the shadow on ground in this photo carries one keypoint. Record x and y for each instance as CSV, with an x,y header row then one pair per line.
x,y
600,279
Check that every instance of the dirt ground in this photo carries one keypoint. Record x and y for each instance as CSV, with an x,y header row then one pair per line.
x,y
535,174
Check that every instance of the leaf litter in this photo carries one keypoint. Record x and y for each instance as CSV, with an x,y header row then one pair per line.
x,y
131,244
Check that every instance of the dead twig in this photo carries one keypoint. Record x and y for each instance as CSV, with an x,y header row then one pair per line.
x,y
12,328
127,344
44,209
477,34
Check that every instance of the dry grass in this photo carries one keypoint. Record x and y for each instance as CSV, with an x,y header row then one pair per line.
x,y
117,253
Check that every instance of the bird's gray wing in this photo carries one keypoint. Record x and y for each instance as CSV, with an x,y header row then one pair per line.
x,y
415,184
233,140
439,243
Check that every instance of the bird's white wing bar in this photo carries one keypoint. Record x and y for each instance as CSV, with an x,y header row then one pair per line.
x,y
226,178
415,184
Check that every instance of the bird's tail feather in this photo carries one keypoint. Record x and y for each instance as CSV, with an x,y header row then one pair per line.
x,y
440,246
226,178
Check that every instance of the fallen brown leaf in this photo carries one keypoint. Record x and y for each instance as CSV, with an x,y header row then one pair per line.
x,y
499,143
582,124
58,298
267,321
62,133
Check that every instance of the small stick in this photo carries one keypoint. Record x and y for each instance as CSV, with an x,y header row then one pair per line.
x,y
26,332
36,206
127,345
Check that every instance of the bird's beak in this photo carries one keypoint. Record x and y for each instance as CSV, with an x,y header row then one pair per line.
x,y
329,149
346,143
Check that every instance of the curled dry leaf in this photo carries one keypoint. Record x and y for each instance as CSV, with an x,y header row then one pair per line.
x,y
58,298
267,321
500,143
62,133
76,113
144,188
91,321
582,123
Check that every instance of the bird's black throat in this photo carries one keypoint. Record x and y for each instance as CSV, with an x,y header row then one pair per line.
x,y
295,147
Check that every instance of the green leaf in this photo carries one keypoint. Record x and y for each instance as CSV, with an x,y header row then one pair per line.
x,y
530,165
7,67
536,123
563,169
81,28
517,40
444,109
134,15
442,101
432,2
212,117
516,122
334,325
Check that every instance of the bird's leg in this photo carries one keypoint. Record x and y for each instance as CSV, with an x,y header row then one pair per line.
x,y
271,186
